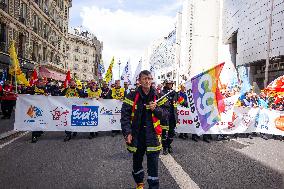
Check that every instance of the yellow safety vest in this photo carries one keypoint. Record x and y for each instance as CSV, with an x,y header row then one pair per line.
x,y
39,91
117,94
71,93
94,94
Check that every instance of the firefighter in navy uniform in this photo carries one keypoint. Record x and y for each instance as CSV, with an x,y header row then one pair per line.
x,y
140,123
72,92
172,119
38,89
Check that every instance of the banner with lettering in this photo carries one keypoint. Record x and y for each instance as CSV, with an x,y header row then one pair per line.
x,y
55,113
234,120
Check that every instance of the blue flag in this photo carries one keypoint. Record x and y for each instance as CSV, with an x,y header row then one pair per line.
x,y
243,75
3,78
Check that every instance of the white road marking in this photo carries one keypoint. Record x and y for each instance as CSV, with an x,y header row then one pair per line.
x,y
9,142
180,176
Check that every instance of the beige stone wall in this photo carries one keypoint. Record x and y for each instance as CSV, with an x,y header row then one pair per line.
x,y
83,57
50,33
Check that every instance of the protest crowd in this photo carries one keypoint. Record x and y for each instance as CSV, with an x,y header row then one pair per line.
x,y
103,90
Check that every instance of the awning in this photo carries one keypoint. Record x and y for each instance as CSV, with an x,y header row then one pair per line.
x,y
45,72
5,59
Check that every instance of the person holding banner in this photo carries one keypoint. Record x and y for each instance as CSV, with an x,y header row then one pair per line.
x,y
38,89
93,92
8,100
140,123
182,100
172,98
106,92
117,93
72,92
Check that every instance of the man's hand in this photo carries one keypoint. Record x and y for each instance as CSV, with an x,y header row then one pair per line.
x,y
128,139
152,105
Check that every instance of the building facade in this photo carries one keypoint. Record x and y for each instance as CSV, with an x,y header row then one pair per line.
x,y
161,57
195,45
199,36
40,31
84,52
246,27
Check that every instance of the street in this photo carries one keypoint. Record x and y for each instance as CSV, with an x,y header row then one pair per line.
x,y
104,163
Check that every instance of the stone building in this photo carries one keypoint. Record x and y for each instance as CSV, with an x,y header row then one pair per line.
x,y
84,52
40,30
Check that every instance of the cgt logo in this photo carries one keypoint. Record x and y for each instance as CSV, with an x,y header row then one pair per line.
x,y
279,123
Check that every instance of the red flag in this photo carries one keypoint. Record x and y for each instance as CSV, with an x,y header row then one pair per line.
x,y
34,78
67,79
220,100
219,97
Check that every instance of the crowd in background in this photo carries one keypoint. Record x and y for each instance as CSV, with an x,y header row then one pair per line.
x,y
264,99
103,90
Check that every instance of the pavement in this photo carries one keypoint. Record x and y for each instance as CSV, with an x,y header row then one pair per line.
x,y
6,125
104,163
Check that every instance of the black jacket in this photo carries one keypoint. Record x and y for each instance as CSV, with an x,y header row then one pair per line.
x,y
173,101
153,141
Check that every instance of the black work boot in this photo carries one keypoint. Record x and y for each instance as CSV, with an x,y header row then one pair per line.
x,y
34,139
67,138
170,150
165,151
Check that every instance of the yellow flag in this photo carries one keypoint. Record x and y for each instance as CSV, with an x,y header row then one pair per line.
x,y
108,76
15,69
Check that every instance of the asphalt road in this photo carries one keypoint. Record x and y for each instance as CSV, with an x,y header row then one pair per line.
x,y
104,163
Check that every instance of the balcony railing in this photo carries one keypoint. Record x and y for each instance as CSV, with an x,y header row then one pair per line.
x,y
3,6
3,47
35,29
22,20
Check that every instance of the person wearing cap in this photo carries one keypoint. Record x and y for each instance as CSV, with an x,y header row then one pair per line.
x,y
117,92
72,92
169,127
93,92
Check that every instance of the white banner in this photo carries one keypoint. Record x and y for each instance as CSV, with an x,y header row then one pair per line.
x,y
56,113
234,120
52,113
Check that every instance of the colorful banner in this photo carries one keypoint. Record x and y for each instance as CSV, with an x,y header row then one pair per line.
x,y
234,120
56,113
53,113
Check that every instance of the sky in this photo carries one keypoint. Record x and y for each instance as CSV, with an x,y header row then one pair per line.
x,y
126,27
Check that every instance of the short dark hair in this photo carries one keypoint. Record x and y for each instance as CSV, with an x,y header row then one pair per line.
x,y
144,72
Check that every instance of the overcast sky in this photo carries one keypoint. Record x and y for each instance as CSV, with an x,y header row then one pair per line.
x,y
126,27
